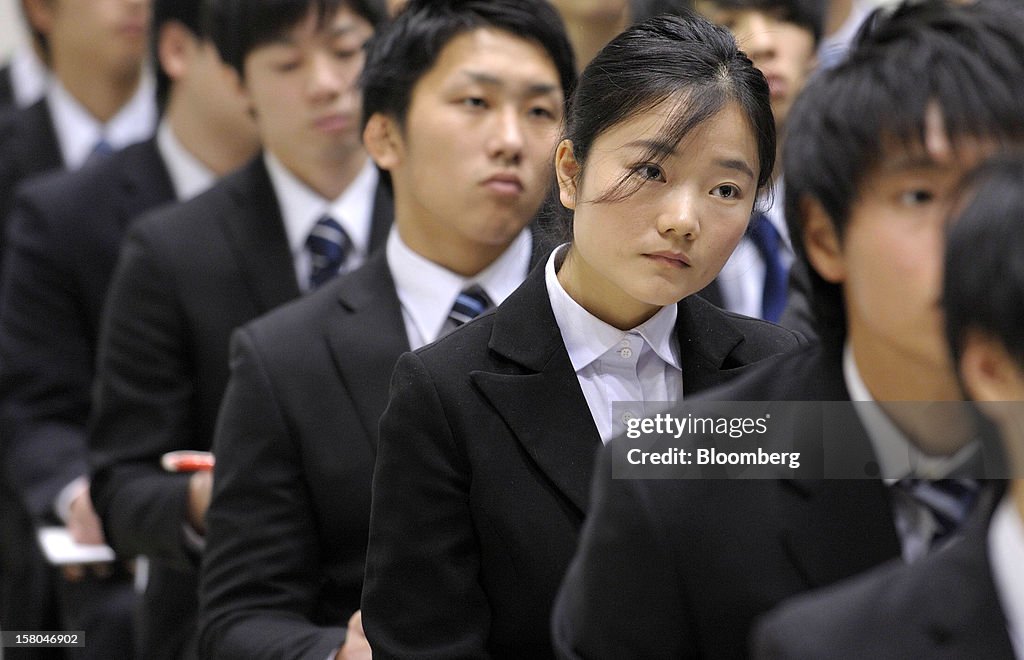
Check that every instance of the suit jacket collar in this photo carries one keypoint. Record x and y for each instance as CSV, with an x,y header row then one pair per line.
x,y
365,332
255,230
556,428
142,179
38,150
961,615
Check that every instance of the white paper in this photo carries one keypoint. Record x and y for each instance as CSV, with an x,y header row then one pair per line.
x,y
60,549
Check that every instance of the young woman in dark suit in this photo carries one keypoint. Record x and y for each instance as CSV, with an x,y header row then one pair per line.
x,y
488,442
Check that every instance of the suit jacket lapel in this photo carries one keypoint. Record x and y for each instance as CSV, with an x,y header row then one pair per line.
x,y
706,340
965,619
144,181
369,315
539,396
39,150
837,528
255,230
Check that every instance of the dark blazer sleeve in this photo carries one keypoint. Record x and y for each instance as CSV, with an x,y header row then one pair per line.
x,y
142,407
622,524
46,348
431,604
259,586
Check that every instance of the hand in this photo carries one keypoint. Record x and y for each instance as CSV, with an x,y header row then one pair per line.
x,y
355,647
83,523
200,487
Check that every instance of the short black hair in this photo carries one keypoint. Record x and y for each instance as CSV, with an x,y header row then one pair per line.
x,y
683,60
967,59
808,14
186,12
237,27
406,50
984,274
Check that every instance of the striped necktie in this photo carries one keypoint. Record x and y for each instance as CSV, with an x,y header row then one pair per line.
x,y
329,246
469,304
949,501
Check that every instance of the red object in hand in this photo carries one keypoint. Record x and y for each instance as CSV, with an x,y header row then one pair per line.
x,y
187,461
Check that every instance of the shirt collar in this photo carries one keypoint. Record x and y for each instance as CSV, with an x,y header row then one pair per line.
x,y
896,454
78,131
301,207
427,290
1005,549
587,337
29,76
188,174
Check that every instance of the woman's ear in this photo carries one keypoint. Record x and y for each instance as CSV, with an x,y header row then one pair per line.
x,y
566,172
822,243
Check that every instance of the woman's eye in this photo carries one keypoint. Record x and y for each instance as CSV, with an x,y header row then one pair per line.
x,y
649,172
727,191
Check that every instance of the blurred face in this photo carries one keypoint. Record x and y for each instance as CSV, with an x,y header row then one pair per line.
x,y
890,259
111,34
783,51
670,238
302,88
216,97
472,164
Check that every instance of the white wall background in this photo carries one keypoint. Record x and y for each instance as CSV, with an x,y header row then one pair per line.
x,y
11,28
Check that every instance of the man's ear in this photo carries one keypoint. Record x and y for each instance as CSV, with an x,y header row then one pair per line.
x,y
566,172
822,242
39,14
988,371
382,139
173,48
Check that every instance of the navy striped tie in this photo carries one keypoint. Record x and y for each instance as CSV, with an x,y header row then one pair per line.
x,y
949,501
329,246
469,304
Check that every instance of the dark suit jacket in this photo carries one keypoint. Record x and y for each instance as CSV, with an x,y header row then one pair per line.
x,y
64,235
680,568
481,483
64,232
28,147
283,565
185,279
942,606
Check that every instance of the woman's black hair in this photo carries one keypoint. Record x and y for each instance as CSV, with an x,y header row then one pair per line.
x,y
684,61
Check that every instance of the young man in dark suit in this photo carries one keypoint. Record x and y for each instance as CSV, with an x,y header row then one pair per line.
x,y
189,275
65,230
297,434
965,601
680,568
100,98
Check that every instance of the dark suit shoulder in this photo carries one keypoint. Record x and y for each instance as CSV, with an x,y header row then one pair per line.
x,y
761,338
946,600
808,372
61,193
